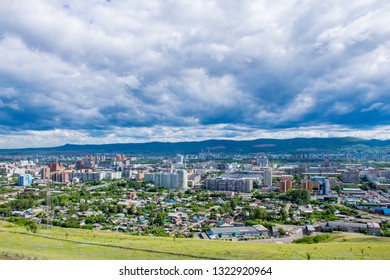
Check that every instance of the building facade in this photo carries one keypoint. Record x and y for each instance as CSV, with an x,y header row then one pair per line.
x,y
25,180
285,185
229,184
172,180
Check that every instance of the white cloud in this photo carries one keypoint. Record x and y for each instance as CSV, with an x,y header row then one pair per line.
x,y
57,137
375,106
96,64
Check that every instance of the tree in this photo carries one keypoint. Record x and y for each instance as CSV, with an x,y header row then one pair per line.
x,y
297,178
331,210
132,209
300,196
83,207
160,218
259,213
283,214
72,210
32,226
213,214
281,231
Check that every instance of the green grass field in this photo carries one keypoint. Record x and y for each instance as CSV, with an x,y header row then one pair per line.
x,y
74,244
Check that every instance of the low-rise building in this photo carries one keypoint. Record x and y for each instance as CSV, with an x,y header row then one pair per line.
x,y
370,227
235,232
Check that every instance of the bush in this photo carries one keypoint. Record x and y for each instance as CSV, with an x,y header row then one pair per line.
x,y
19,221
32,226
385,233
312,239
23,222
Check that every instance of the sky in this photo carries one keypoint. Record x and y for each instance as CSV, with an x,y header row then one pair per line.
x,y
99,71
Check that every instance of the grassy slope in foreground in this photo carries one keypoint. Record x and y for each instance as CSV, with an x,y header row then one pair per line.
x,y
59,243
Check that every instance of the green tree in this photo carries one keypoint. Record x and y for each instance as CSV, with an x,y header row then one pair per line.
x,y
160,218
132,209
83,207
283,214
281,231
330,210
72,210
32,226
259,213
297,178
299,196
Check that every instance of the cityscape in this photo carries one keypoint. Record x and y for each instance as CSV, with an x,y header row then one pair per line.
x,y
261,198
200,130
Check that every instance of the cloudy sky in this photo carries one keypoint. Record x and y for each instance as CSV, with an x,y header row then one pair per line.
x,y
98,71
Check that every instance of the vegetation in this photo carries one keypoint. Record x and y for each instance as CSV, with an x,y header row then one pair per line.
x,y
5,190
28,224
300,196
386,229
58,243
229,146
23,202
312,239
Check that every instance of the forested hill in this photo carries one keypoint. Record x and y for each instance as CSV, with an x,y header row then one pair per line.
x,y
295,145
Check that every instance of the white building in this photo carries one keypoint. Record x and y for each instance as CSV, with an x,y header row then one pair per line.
x,y
262,161
171,180
267,178
179,159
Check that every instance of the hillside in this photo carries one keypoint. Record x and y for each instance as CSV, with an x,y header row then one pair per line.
x,y
295,145
58,243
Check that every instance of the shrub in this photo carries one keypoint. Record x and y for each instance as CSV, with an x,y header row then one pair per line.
x,y
312,239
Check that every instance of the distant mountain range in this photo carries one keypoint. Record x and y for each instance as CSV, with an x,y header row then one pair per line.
x,y
295,145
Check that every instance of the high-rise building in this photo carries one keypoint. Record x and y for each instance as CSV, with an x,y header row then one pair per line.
x,y
61,177
307,185
267,178
262,161
87,176
79,165
171,180
45,173
25,180
113,175
285,185
183,179
54,167
324,184
326,162
179,159
139,176
350,177
120,157
229,184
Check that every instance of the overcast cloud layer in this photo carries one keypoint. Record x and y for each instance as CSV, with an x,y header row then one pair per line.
x,y
96,71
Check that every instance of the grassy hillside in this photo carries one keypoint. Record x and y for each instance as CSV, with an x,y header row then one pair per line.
x,y
59,243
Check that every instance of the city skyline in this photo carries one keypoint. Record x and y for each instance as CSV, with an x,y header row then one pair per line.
x,y
101,72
